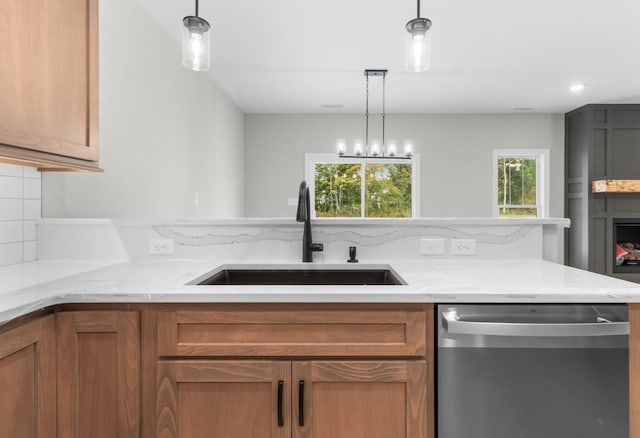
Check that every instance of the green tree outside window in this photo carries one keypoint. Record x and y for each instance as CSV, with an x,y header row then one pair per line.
x,y
517,186
339,190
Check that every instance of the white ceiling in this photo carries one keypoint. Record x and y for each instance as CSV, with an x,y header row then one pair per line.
x,y
489,56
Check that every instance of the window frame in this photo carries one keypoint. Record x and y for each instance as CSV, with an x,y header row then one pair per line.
x,y
311,159
542,178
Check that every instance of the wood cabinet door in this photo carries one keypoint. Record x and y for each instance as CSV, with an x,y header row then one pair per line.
x,y
98,374
357,399
27,380
49,71
230,399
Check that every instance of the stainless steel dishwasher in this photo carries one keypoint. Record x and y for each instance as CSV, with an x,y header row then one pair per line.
x,y
533,371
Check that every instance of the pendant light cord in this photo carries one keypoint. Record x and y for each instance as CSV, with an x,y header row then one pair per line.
x,y
197,4
418,1
366,114
384,78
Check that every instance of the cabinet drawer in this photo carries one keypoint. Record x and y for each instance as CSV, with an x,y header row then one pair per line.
x,y
293,332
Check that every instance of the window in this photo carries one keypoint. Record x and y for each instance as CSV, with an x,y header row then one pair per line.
x,y
362,187
520,183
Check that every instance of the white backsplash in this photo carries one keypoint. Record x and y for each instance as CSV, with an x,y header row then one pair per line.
x,y
281,239
20,208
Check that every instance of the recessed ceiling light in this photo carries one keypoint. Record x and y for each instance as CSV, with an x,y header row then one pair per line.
x,y
524,108
332,105
576,88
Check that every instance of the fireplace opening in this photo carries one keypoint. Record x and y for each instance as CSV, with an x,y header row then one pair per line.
x,y
626,252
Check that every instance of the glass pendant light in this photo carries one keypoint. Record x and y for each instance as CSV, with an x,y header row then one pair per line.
x,y
196,44
417,47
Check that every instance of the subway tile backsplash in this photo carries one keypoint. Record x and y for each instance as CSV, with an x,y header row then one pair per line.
x,y
20,207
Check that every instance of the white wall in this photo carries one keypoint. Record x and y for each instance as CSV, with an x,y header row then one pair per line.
x,y
456,156
19,209
166,133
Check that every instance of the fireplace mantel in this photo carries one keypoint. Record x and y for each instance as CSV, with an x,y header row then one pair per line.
x,y
616,186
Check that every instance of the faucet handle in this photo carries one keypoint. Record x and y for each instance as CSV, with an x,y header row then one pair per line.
x,y
317,247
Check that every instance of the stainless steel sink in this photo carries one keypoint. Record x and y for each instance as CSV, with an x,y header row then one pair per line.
x,y
294,275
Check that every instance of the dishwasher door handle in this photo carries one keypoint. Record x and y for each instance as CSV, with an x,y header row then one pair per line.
x,y
454,325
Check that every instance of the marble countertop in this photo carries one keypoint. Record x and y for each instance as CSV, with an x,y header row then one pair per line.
x,y
31,286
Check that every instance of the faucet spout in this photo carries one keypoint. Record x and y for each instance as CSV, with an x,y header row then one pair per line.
x,y
304,215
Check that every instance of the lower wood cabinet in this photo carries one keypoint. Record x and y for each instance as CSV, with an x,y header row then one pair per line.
x,y
27,380
229,371
294,371
301,399
98,377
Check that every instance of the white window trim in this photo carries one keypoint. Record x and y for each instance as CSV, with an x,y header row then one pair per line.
x,y
310,161
542,177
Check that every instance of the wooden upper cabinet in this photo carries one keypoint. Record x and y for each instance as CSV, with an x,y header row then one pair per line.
x,y
49,83
27,379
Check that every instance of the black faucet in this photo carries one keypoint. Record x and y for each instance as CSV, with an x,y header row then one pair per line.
x,y
304,215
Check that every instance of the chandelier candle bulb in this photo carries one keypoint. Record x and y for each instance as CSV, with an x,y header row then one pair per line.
x,y
358,147
375,147
408,148
392,148
341,146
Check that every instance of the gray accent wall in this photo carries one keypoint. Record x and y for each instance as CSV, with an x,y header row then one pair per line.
x,y
602,142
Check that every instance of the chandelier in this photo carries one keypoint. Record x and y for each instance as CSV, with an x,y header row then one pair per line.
x,y
375,148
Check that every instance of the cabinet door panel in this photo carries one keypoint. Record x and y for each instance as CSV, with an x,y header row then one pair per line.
x,y
19,393
360,399
98,374
27,379
198,399
299,331
49,87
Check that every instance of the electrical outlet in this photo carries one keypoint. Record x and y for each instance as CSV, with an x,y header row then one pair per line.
x,y
160,246
431,246
463,246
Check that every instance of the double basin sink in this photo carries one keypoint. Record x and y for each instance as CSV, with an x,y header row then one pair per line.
x,y
235,275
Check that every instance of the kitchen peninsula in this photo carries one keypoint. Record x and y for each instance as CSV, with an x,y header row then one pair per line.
x,y
127,331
